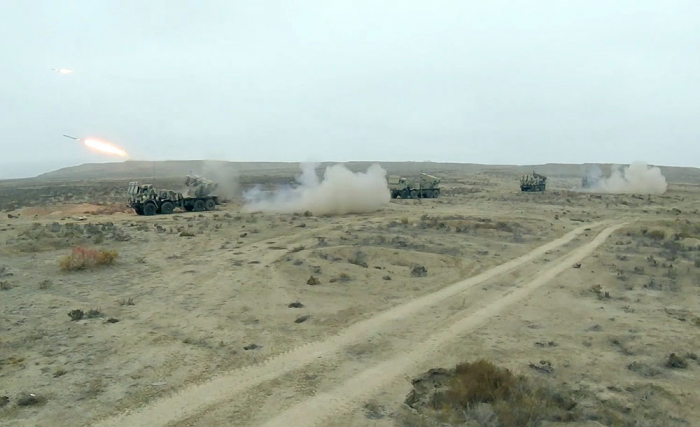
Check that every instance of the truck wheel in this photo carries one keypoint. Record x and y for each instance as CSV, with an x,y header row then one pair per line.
x,y
150,209
166,208
436,194
404,194
414,194
138,211
199,205
209,205
189,208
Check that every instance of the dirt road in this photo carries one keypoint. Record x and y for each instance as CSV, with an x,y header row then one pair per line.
x,y
322,408
193,405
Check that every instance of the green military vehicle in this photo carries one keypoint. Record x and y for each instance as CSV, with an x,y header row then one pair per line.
x,y
146,200
424,187
533,182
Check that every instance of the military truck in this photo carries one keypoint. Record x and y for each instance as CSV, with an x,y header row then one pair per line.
x,y
533,182
424,187
147,200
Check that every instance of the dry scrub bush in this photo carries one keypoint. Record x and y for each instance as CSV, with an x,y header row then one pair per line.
x,y
657,234
516,401
481,393
494,396
83,258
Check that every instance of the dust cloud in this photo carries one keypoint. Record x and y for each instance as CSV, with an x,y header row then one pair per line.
x,y
637,178
224,174
341,191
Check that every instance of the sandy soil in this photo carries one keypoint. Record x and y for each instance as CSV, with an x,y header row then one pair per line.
x,y
206,335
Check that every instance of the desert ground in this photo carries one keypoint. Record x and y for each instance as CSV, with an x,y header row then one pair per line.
x,y
237,318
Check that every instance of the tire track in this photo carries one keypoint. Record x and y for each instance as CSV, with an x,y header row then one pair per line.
x,y
202,397
322,408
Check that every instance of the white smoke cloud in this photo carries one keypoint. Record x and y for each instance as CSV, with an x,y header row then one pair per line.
x,y
224,174
341,191
593,175
637,178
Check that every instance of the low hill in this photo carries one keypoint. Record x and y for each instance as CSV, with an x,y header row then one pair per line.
x,y
179,168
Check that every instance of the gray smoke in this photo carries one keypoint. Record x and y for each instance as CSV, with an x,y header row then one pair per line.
x,y
593,174
222,173
341,191
637,178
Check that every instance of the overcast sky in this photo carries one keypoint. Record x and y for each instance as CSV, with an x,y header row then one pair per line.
x,y
508,82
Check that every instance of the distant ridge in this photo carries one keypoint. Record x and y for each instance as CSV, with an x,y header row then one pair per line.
x,y
178,168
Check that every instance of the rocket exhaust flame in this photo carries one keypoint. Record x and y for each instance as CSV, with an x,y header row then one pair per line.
x,y
104,147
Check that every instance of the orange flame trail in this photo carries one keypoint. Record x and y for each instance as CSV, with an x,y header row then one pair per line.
x,y
104,147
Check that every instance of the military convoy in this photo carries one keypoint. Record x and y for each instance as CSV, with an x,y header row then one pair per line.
x,y
425,187
147,200
533,182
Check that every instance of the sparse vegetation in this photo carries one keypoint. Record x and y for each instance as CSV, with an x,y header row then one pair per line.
x,y
643,369
360,259
76,315
657,234
481,391
419,271
30,399
94,388
215,285
94,313
83,258
127,301
676,362
52,236
201,341
344,277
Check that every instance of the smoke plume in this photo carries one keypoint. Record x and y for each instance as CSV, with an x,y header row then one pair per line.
x,y
341,191
637,178
593,175
224,174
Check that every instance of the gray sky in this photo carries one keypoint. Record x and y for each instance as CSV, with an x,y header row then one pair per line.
x,y
465,81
